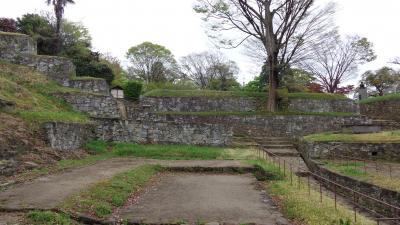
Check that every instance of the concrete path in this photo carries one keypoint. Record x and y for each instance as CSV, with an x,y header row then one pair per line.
x,y
197,198
49,191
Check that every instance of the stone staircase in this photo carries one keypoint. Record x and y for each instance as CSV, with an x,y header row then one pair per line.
x,y
283,148
244,142
278,146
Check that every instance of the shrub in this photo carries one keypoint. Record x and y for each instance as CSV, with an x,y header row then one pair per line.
x,y
132,90
94,69
8,25
96,147
180,85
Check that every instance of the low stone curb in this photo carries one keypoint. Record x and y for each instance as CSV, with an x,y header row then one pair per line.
x,y
200,169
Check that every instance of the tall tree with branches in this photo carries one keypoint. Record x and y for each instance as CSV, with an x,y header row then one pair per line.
x,y
59,7
208,68
283,28
337,59
382,79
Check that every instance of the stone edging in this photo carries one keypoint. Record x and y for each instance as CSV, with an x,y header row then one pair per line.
x,y
374,191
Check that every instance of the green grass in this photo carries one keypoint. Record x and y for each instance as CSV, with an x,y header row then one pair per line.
x,y
298,205
382,137
388,97
104,151
48,218
32,94
41,117
170,152
258,113
317,96
356,171
101,199
96,146
275,173
12,34
203,93
85,78
351,169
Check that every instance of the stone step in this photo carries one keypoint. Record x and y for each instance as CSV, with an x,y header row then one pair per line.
x,y
245,139
280,153
272,138
245,144
283,154
274,146
272,142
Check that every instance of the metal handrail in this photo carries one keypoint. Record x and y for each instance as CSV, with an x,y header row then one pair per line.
x,y
356,194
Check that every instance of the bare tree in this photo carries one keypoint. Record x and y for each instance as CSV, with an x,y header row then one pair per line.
x,y
224,74
206,67
334,62
282,27
196,67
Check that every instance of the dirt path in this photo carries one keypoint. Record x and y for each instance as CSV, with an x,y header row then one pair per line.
x,y
195,198
12,218
49,191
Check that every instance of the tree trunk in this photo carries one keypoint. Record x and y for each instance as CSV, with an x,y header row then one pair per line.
x,y
58,30
273,83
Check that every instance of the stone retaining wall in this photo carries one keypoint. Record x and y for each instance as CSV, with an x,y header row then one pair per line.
x,y
290,126
243,104
201,104
159,132
94,85
21,49
98,106
387,110
383,194
56,68
68,136
372,151
311,105
14,44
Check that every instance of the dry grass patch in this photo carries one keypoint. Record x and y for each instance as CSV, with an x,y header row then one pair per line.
x,y
298,205
382,137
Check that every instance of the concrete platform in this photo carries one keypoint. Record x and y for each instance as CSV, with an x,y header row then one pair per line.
x,y
194,198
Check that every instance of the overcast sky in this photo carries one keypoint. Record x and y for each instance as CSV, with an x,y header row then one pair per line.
x,y
116,25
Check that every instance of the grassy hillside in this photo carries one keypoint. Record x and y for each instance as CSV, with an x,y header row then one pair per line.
x,y
31,93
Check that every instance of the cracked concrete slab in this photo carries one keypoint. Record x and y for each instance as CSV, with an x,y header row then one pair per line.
x,y
194,198
49,191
